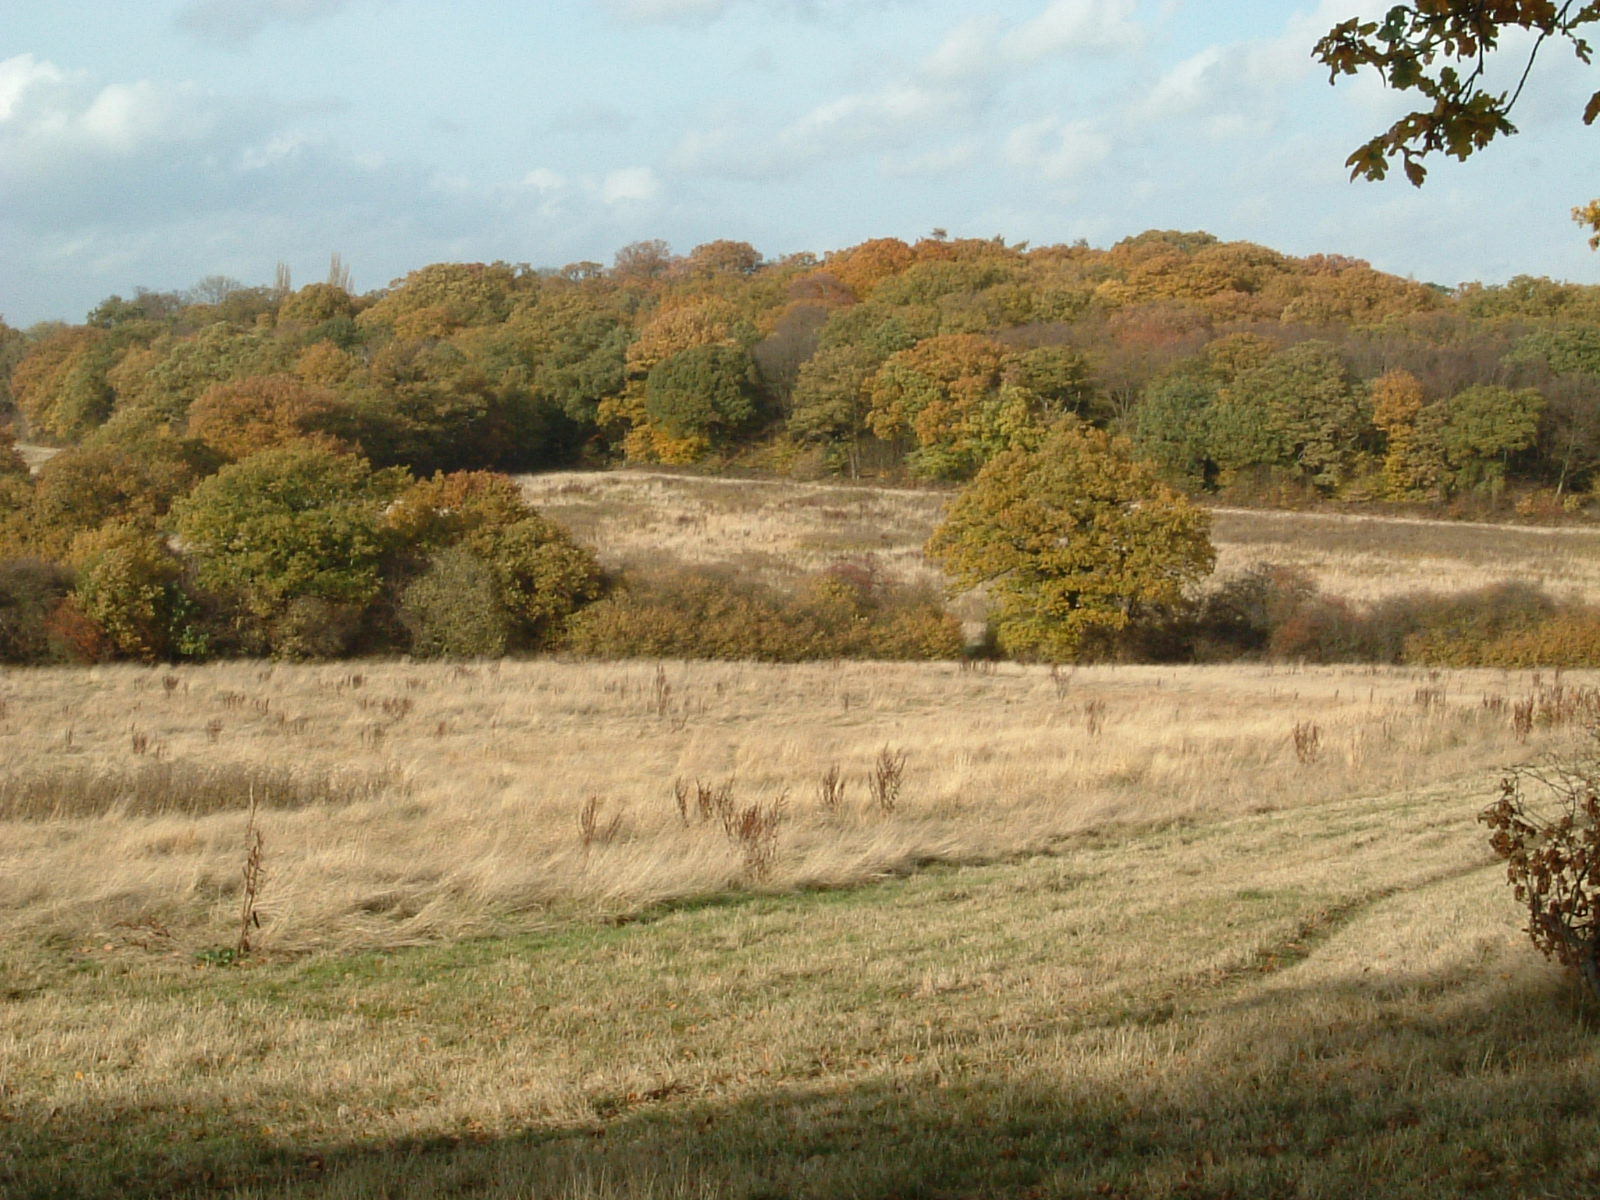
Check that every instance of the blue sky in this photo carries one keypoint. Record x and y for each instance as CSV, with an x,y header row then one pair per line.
x,y
156,143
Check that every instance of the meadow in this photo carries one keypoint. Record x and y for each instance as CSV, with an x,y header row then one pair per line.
x,y
638,929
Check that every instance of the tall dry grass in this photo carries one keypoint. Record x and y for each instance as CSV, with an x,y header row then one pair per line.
x,y
432,801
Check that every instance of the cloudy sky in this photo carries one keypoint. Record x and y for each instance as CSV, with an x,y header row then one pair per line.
x,y
158,142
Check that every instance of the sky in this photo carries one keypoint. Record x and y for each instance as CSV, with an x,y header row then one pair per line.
x,y
158,143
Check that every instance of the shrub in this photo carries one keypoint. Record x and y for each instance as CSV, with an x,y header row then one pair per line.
x,y
710,614
1546,825
30,590
537,574
1567,639
1326,629
1240,616
1457,631
453,609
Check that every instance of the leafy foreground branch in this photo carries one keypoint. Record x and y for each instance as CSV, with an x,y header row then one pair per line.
x,y
1546,825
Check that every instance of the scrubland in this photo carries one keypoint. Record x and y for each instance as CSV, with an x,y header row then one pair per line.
x,y
667,929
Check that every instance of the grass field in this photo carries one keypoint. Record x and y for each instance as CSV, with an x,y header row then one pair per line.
x,y
597,931
1121,931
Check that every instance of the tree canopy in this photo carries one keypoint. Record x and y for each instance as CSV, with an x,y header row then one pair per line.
x,y
1073,539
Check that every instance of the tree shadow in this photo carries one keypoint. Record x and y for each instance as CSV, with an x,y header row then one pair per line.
x,y
1437,1090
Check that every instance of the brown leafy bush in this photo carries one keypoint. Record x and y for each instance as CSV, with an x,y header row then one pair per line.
x,y
1546,825
709,614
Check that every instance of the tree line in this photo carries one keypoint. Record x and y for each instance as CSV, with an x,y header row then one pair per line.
x,y
271,469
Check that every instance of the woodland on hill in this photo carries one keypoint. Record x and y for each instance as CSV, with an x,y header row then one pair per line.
x,y
1237,372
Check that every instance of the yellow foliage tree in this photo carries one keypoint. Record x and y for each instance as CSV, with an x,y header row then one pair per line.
x,y
1074,540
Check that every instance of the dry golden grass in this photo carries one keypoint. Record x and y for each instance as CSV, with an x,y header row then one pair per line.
x,y
1167,955
776,529
462,788
1367,557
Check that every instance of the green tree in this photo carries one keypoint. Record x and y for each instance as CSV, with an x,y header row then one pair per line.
x,y
475,526
1074,540
1484,426
702,394
831,400
167,377
1316,417
297,522
1173,427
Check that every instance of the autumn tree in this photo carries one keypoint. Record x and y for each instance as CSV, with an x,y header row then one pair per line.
x,y
316,304
238,419
947,393
16,499
11,460
128,582
1073,541
299,523
60,384
497,574
83,487
1397,402
439,299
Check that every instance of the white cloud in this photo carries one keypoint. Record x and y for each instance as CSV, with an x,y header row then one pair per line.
x,y
630,185
968,50
273,151
1239,89
1077,27
125,118
543,179
21,75
875,116
1056,149
54,123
